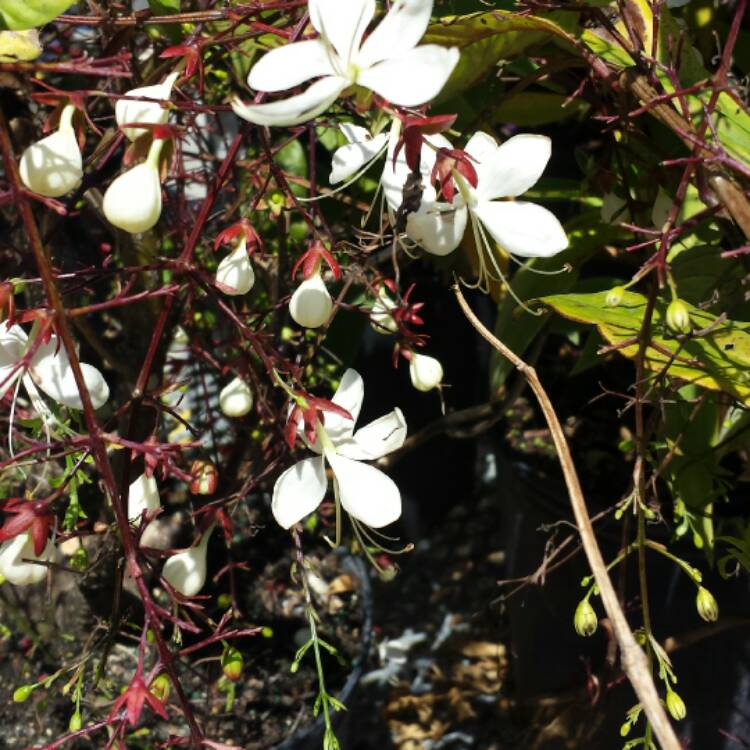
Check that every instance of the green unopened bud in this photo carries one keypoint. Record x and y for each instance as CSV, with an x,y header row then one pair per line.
x,y
614,296
585,620
160,687
21,694
678,317
707,606
232,663
76,722
675,705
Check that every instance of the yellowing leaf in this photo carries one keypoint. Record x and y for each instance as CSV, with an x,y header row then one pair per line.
x,y
19,46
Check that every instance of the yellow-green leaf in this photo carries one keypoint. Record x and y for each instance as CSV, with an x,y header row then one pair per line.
x,y
27,14
19,46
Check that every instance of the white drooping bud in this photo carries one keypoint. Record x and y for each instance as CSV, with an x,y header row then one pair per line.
x,y
186,571
236,398
426,372
380,315
53,166
133,201
128,111
311,304
12,556
143,494
235,273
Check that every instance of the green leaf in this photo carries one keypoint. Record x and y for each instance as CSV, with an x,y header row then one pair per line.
x,y
27,14
531,108
486,38
164,7
19,46
717,360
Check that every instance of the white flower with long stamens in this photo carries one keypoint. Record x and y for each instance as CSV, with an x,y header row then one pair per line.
x,y
143,495
12,556
49,369
503,171
358,154
366,493
388,61
53,166
133,201
129,111
235,272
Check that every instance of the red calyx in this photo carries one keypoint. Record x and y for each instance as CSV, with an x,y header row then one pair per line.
x,y
447,160
242,228
309,415
193,60
133,699
312,259
414,130
26,515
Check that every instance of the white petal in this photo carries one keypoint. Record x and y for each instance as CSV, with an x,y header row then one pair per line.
x,y
354,133
288,66
366,492
510,169
425,372
342,23
53,166
236,398
133,201
12,554
128,111
311,303
186,571
299,491
521,228
412,78
143,494
438,228
235,272
349,159
401,29
377,439
50,368
296,109
13,341
381,318
349,395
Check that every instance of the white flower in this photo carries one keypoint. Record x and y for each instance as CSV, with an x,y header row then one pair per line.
x,y
503,171
186,571
388,62
143,495
380,314
128,111
361,151
12,556
426,372
236,398
311,304
365,492
53,166
49,369
133,201
235,272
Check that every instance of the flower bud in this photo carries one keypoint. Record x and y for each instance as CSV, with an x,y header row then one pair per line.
x,y
128,111
143,495
311,304
133,201
236,398
23,693
186,571
161,687
675,705
708,607
614,296
426,372
76,722
585,621
678,317
232,663
12,554
235,273
380,315
205,478
53,166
